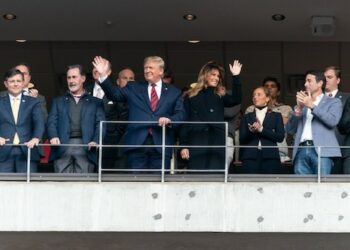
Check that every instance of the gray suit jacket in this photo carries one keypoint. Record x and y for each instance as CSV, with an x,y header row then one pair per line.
x,y
326,116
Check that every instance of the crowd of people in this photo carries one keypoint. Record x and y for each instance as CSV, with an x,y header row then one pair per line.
x,y
194,119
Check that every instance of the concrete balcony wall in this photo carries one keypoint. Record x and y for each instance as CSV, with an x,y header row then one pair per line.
x,y
174,207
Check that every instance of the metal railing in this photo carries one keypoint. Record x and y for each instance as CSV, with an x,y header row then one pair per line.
x,y
164,146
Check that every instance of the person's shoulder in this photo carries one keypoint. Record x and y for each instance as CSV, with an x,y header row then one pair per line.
x,y
29,99
249,109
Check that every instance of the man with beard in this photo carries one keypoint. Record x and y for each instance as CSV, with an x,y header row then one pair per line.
x,y
75,119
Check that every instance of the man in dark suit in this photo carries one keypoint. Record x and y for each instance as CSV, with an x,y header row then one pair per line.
x,y
150,101
75,119
333,79
21,122
111,157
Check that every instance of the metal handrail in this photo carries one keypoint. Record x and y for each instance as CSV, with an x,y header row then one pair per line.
x,y
163,171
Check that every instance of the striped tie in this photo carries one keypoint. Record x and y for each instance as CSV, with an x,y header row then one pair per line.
x,y
154,97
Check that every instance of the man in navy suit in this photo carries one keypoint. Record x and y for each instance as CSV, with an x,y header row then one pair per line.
x,y
21,122
75,119
150,101
333,79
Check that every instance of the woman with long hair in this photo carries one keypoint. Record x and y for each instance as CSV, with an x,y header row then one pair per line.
x,y
205,102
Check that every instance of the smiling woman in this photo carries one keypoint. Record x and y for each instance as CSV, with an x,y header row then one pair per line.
x,y
205,102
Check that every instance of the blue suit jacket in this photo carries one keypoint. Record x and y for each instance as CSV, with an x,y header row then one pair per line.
x,y
326,116
273,132
30,124
170,105
58,124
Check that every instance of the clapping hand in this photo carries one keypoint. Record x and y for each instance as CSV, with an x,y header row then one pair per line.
x,y
304,99
255,127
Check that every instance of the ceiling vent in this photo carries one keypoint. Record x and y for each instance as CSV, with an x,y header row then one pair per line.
x,y
322,26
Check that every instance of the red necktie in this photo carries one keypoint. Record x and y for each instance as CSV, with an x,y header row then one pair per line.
x,y
330,95
154,97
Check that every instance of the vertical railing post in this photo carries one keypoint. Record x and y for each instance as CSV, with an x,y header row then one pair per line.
x,y
318,164
100,148
226,153
28,164
163,153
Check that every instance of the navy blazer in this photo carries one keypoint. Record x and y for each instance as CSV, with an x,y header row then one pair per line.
x,y
273,132
170,105
30,124
58,124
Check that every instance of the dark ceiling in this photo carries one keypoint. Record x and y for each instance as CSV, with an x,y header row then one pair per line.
x,y
162,20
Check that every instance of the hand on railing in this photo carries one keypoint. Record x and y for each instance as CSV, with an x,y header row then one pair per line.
x,y
55,141
33,142
3,141
163,121
92,144
185,153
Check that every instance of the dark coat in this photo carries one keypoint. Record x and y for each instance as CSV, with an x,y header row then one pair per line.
x,y
114,111
207,106
58,124
135,94
30,124
273,132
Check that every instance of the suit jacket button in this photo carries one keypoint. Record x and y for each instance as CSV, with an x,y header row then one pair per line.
x,y
211,110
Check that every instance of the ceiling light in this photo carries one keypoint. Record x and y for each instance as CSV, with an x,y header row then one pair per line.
x,y
9,16
21,40
190,17
278,17
193,41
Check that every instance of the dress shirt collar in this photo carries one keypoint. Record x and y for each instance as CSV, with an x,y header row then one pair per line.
x,y
12,97
318,99
334,92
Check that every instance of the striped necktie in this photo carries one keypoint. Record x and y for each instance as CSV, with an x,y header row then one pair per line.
x,y
154,97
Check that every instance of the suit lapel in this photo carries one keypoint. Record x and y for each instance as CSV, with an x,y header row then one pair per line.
x,y
22,107
252,117
7,106
163,95
144,93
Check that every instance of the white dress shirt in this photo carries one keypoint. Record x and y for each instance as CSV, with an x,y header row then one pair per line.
x,y
307,131
158,89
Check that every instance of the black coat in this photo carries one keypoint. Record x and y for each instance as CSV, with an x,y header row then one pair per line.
x,y
114,112
273,132
207,106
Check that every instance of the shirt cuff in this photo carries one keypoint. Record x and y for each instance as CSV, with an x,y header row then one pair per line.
x,y
102,79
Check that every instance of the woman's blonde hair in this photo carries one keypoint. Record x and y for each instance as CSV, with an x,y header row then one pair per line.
x,y
202,79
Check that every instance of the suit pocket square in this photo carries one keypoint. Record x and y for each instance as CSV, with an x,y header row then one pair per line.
x,y
110,102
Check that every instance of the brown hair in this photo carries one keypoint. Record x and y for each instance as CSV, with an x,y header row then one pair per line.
x,y
202,82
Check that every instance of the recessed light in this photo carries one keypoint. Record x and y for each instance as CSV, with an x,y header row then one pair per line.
x,y
190,17
278,17
193,41
21,40
9,16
